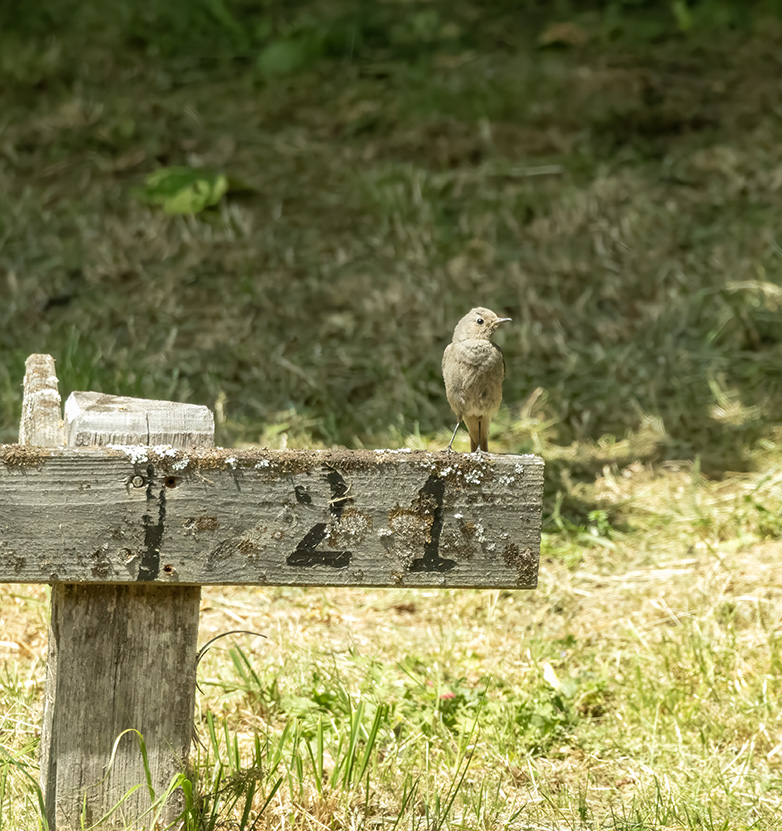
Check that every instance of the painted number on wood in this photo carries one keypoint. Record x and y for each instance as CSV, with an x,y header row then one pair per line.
x,y
307,554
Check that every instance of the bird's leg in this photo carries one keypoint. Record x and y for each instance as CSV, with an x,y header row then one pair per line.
x,y
450,443
479,448
485,437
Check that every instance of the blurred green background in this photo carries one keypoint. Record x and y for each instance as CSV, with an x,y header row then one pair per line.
x,y
280,210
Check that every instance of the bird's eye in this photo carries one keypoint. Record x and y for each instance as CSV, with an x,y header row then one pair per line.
x,y
479,320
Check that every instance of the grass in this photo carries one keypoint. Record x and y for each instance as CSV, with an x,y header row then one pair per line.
x,y
386,169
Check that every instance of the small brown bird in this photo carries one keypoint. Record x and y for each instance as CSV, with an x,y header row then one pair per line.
x,y
473,370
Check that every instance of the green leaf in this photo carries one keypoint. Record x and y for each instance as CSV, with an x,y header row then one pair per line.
x,y
183,190
286,56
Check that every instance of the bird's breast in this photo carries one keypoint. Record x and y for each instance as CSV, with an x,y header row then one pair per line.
x,y
473,371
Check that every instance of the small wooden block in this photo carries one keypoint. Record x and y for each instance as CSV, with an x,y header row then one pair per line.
x,y
41,423
95,418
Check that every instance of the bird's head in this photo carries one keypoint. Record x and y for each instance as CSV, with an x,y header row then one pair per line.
x,y
478,324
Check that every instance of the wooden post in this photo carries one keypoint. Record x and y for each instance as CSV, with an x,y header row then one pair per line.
x,y
121,658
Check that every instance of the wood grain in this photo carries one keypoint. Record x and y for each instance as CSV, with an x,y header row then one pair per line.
x,y
216,516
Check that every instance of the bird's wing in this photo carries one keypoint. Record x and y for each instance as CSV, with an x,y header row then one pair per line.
x,y
446,353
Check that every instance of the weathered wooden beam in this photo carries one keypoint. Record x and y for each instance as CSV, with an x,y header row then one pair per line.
x,y
122,658
215,516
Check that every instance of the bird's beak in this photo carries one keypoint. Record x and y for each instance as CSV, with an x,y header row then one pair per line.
x,y
504,320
